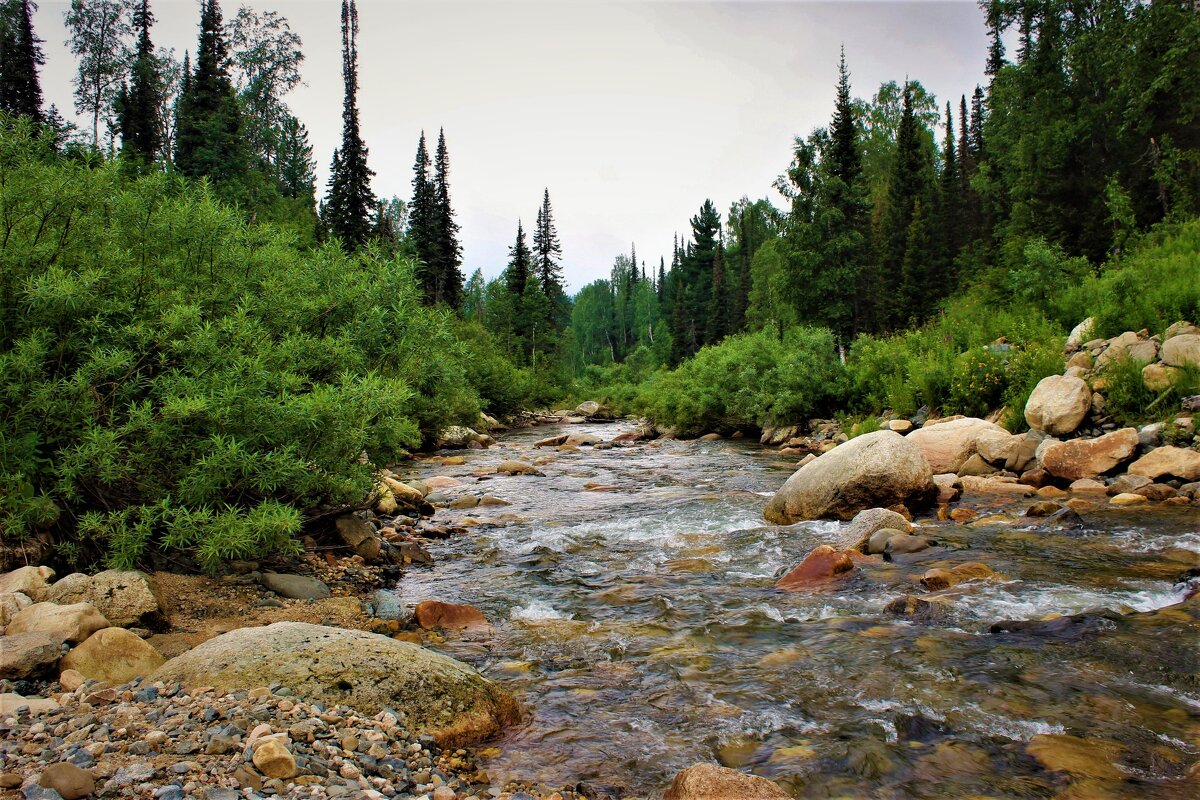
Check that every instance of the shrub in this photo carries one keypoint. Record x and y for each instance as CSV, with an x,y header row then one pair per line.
x,y
750,381
172,376
977,382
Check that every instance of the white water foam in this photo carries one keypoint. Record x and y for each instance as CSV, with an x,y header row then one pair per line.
x,y
537,611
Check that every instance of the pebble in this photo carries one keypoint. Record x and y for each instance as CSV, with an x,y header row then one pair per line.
x,y
118,734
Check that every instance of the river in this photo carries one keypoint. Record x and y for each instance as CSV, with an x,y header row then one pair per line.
x,y
634,613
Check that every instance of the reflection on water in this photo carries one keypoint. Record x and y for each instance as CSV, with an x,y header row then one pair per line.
x,y
641,628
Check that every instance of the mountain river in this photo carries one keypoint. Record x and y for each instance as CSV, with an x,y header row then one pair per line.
x,y
633,609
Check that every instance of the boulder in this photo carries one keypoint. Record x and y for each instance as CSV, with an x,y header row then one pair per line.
x,y
403,492
878,469
996,447
906,543
11,604
387,604
1087,458
947,445
126,598
818,568
456,437
866,523
442,482
359,535
1128,483
33,582
1081,361
901,426
1087,486
1182,350
295,587
11,701
436,614
517,468
26,655
1130,346
974,484
936,579
1058,405
73,623
273,759
878,541
710,782
588,408
433,694
1178,462
976,466
1180,328
113,655
1159,377
1128,499
68,780
555,441
582,440
1081,333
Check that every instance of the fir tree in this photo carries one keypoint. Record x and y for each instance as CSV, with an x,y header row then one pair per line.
x,y
520,265
208,140
294,164
422,223
350,202
995,60
548,250
447,267
717,324
950,207
139,104
20,56
978,116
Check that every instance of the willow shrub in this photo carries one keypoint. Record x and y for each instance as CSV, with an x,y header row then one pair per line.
x,y
172,376
750,381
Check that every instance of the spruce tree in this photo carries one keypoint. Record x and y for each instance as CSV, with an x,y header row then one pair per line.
x,y
995,60
520,265
717,323
139,104
20,56
208,140
547,250
422,223
448,265
950,208
349,204
978,116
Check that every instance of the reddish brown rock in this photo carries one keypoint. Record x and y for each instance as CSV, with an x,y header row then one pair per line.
x,y
436,614
1087,458
819,567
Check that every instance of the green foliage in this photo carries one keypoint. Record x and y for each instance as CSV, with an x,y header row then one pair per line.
x,y
172,376
1129,402
977,382
749,381
1150,287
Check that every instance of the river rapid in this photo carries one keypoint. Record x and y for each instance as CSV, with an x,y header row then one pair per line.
x,y
631,594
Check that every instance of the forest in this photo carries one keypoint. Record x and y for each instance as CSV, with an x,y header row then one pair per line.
x,y
197,343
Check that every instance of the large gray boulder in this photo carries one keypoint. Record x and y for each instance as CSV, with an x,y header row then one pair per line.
x,y
1058,404
874,470
127,598
431,693
74,623
1182,350
948,445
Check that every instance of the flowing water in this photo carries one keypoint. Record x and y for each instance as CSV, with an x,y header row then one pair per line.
x,y
640,627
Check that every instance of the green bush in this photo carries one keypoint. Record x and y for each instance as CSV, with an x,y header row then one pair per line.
x,y
977,382
750,381
172,376
1129,402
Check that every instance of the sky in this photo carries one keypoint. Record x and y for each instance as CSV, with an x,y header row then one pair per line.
x,y
630,113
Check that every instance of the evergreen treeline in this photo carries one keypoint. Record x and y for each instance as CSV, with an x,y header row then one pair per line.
x,y
1086,136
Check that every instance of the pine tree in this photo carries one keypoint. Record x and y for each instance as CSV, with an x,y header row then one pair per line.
x,y
448,264
208,140
548,250
995,60
978,116
520,265
139,104
661,284
717,323
950,208
422,223
20,56
349,204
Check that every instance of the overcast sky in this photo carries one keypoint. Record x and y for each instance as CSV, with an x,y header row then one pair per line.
x,y
630,113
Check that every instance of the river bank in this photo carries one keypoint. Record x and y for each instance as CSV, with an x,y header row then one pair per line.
x,y
628,591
